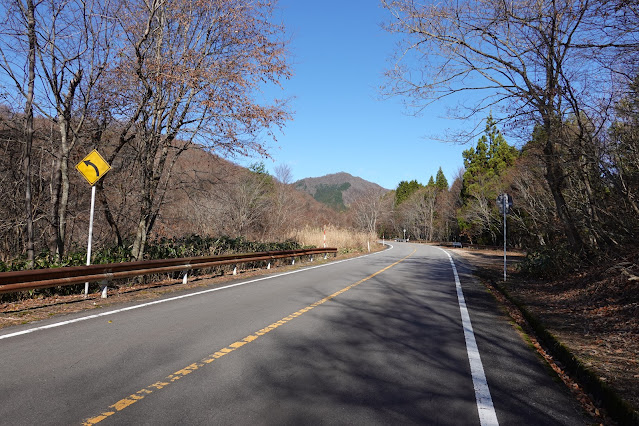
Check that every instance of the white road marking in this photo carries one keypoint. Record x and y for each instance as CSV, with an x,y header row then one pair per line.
x,y
487,415
144,305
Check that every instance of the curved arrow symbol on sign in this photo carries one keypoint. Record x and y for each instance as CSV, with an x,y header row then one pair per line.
x,y
88,163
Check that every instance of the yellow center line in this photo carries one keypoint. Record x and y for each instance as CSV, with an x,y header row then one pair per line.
x,y
135,397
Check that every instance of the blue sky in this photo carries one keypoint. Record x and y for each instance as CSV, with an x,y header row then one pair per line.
x,y
339,52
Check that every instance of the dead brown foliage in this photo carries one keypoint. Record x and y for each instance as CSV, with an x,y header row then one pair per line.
x,y
594,313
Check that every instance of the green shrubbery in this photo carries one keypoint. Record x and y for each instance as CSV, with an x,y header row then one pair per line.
x,y
548,262
195,245
164,248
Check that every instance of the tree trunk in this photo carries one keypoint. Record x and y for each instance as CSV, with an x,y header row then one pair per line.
x,y
139,244
66,144
555,178
60,196
64,201
430,225
107,213
55,206
29,131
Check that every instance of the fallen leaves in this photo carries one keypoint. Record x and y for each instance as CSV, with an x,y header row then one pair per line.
x,y
594,312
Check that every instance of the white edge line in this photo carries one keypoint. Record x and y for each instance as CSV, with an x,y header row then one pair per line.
x,y
170,299
485,407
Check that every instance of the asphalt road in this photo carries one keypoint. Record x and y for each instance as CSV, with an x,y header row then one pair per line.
x,y
373,340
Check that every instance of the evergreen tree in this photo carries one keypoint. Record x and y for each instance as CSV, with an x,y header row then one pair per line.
x,y
405,189
483,181
440,180
488,160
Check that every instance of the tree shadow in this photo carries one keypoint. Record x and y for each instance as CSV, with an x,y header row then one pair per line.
x,y
392,351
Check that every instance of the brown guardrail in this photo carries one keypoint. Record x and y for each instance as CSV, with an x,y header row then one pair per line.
x,y
54,277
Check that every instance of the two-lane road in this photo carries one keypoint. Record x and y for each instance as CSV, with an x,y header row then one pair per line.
x,y
380,339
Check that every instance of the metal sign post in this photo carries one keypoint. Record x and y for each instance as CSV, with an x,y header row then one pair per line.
x,y
92,167
504,203
86,285
503,200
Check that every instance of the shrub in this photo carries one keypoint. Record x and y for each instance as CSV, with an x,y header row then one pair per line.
x,y
548,262
163,248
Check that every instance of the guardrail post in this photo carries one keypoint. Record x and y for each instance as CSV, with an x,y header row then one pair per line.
x,y
103,286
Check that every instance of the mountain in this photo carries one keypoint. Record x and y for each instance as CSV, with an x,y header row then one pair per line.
x,y
338,190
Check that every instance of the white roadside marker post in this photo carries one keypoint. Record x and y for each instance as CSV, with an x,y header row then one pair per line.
x,y
86,285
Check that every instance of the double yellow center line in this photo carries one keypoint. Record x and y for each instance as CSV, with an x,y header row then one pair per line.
x,y
171,378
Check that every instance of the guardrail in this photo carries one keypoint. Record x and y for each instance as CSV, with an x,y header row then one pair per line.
x,y
456,244
15,281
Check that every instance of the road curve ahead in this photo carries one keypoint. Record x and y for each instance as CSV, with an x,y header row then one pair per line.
x,y
388,338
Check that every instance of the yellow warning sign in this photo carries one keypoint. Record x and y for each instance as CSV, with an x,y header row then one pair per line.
x,y
93,167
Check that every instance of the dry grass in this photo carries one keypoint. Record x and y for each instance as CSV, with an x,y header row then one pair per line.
x,y
345,240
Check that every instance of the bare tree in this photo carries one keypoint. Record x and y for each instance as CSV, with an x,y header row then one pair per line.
x,y
533,60
244,205
369,210
284,174
480,213
67,44
285,209
73,54
188,73
20,30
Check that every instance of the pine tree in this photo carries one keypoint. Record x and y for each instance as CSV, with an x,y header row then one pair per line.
x,y
405,189
488,160
483,181
440,180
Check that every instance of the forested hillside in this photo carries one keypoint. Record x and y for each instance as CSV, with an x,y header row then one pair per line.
x,y
560,80
599,190
560,115
162,91
338,190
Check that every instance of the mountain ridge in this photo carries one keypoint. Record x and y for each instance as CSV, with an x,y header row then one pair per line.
x,y
338,190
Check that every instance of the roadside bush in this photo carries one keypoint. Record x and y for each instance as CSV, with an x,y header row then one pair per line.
x,y
547,262
195,245
163,248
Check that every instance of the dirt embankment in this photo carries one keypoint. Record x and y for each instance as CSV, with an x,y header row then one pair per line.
x,y
594,313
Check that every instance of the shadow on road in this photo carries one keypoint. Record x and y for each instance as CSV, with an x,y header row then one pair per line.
x,y
392,351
